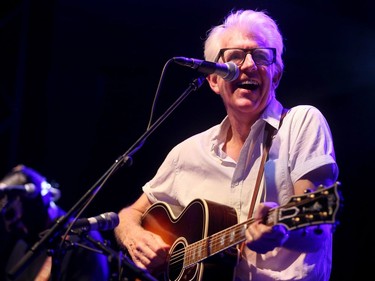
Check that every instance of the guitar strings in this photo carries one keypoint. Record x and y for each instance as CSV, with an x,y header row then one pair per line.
x,y
214,243
210,245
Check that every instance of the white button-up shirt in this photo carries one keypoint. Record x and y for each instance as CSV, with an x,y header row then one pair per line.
x,y
199,168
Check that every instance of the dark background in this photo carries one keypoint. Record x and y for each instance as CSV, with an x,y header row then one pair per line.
x,y
77,81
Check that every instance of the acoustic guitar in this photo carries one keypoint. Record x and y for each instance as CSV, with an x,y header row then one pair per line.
x,y
204,235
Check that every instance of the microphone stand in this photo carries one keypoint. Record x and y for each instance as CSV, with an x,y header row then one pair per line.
x,y
49,238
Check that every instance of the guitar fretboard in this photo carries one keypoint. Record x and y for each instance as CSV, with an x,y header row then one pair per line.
x,y
214,244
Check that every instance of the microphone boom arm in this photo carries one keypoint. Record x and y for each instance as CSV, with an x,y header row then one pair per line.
x,y
55,231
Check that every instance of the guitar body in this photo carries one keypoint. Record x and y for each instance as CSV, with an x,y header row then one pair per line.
x,y
200,219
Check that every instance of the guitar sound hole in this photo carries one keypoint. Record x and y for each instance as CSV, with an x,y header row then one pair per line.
x,y
176,261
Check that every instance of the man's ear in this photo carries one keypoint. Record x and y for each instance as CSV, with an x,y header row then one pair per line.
x,y
276,79
212,81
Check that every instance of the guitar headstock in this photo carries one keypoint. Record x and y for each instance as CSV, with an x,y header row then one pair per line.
x,y
312,208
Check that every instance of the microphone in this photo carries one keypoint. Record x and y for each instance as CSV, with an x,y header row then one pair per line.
x,y
28,189
228,71
106,221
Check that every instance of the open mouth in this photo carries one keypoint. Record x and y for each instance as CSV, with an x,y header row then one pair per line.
x,y
249,85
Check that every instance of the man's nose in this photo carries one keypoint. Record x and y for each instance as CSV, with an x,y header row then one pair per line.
x,y
248,62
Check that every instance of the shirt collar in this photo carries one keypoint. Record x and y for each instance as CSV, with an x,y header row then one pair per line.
x,y
272,113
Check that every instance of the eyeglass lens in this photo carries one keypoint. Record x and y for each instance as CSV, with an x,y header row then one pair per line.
x,y
260,56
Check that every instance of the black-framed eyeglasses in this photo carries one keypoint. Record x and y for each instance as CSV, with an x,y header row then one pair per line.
x,y
260,56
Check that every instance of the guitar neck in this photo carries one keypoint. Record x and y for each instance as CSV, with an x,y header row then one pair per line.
x,y
313,208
